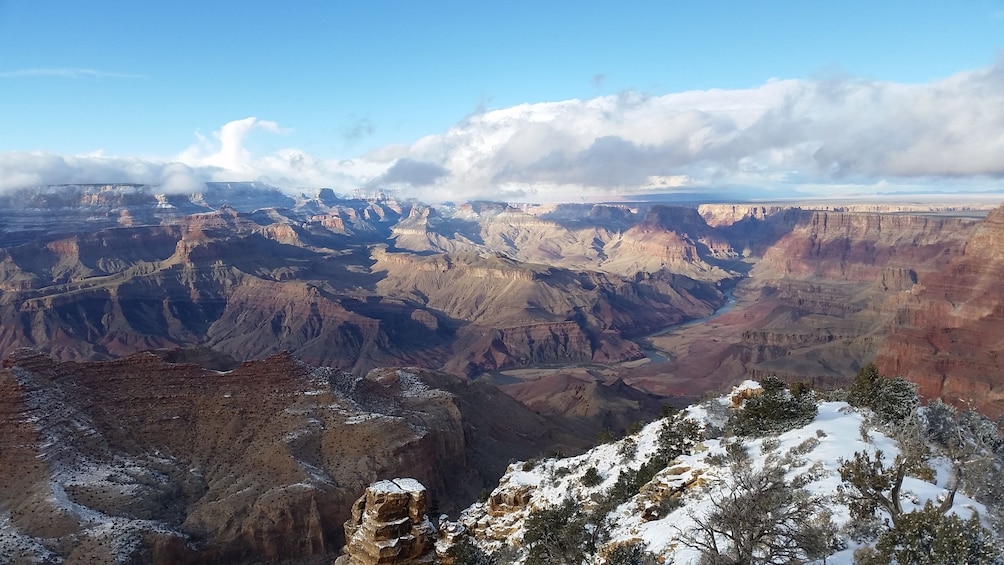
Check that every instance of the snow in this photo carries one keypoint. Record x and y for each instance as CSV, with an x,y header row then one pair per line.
x,y
836,433
410,485
394,486
122,478
411,385
21,547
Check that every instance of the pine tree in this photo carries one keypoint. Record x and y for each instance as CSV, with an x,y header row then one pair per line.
x,y
773,411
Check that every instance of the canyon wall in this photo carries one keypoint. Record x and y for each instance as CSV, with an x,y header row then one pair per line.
x,y
171,463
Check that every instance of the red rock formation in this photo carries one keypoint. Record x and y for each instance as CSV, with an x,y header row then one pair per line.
x,y
829,287
949,331
173,463
261,461
254,284
390,526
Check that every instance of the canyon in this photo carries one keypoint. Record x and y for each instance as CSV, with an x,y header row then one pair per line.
x,y
191,378
141,459
542,298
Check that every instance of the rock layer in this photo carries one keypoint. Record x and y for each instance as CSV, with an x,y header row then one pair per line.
x,y
171,463
390,526
949,331
345,283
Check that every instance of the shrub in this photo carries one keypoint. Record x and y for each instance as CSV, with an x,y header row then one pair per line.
x,y
631,553
561,534
769,445
465,552
805,447
799,388
604,436
624,488
929,537
862,391
667,411
591,477
677,437
773,411
893,400
896,400
760,518
627,449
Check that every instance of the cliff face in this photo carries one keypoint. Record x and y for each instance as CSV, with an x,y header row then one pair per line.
x,y
823,290
859,246
358,284
172,463
948,334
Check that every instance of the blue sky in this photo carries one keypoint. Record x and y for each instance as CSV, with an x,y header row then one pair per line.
x,y
342,92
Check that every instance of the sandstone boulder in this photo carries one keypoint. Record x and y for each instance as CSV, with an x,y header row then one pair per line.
x,y
389,526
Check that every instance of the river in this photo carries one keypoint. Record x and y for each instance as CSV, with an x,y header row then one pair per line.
x,y
656,356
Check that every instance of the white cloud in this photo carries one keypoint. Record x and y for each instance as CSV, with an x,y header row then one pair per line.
x,y
25,169
782,135
782,138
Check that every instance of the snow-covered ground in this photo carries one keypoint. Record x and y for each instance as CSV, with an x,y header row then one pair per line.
x,y
835,434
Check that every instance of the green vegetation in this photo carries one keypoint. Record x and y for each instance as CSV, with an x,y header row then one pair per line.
x,y
930,537
764,514
774,411
465,552
631,553
562,534
759,517
892,400
677,436
591,477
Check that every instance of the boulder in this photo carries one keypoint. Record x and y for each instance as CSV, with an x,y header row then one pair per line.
x,y
389,526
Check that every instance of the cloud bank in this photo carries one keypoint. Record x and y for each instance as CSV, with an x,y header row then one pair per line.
x,y
783,138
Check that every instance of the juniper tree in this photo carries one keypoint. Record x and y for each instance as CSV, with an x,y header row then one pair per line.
x,y
773,411
759,519
930,537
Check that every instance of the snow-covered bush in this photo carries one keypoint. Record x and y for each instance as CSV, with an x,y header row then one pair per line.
x,y
892,400
466,552
630,553
591,477
761,518
562,534
930,537
773,411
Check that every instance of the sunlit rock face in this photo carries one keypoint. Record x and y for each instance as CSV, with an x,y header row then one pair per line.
x,y
390,526
248,271
103,271
949,336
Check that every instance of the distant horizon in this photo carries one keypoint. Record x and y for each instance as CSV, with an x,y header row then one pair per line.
x,y
447,100
976,200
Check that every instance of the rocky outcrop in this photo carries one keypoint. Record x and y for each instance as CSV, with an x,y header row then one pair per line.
x,y
718,215
173,463
390,526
